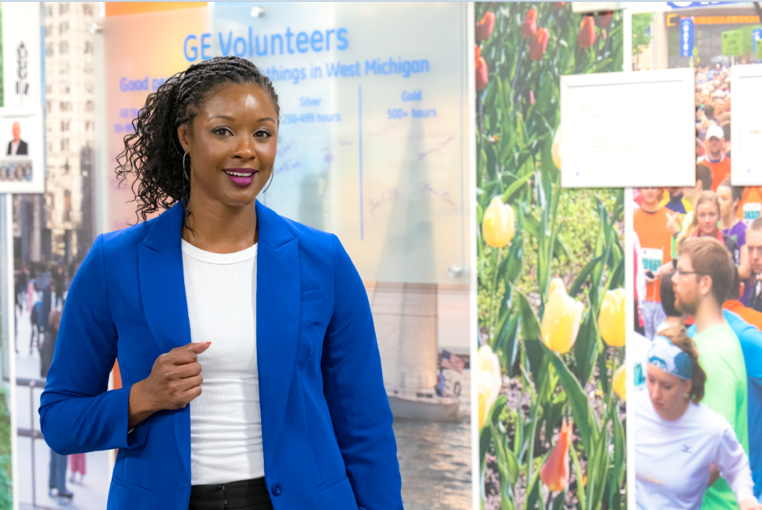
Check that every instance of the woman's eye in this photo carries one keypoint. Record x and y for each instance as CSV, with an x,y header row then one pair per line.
x,y
262,134
221,131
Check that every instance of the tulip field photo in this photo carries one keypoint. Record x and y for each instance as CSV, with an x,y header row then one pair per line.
x,y
550,261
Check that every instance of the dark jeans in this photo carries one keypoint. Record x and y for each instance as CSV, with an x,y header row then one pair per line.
x,y
243,495
57,476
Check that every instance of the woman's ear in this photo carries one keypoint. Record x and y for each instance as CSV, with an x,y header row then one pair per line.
x,y
688,387
184,135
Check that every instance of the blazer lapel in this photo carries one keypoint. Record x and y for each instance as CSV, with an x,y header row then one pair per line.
x,y
278,312
162,289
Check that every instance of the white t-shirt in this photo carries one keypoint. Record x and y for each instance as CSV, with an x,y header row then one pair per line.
x,y
226,425
673,458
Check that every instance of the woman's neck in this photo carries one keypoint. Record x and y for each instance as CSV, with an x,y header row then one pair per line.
x,y
219,228
728,222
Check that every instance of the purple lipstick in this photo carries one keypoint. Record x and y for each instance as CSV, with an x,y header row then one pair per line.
x,y
241,177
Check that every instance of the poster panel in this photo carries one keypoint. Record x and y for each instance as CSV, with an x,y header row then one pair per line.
x,y
21,135
746,166
550,363
723,205
606,145
372,146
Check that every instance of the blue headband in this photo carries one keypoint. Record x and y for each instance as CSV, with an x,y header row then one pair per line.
x,y
670,358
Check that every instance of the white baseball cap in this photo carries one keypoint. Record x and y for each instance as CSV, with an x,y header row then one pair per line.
x,y
715,130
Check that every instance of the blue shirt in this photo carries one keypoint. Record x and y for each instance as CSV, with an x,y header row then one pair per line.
x,y
751,344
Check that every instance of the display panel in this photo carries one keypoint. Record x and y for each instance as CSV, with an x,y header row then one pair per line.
x,y
746,166
606,143
21,137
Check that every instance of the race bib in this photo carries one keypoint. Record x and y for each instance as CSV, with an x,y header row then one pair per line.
x,y
639,376
751,212
652,258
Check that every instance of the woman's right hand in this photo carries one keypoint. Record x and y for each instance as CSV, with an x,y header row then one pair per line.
x,y
174,381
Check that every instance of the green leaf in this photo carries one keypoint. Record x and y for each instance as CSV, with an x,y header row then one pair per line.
x,y
586,349
619,456
507,343
485,437
579,475
577,398
513,188
530,326
579,281
535,355
534,494
603,373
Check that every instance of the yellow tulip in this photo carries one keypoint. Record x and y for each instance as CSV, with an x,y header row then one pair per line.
x,y
488,380
555,149
556,283
619,382
611,320
561,321
499,223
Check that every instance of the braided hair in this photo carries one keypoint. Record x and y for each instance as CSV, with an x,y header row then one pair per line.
x,y
153,154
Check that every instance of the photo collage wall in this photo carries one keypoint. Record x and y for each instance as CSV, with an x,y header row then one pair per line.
x,y
516,317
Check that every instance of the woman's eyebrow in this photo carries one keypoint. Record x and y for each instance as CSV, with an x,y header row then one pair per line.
x,y
267,118
222,117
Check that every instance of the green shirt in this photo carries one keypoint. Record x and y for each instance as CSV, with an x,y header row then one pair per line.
x,y
725,392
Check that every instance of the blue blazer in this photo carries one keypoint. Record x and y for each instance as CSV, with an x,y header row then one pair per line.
x,y
326,424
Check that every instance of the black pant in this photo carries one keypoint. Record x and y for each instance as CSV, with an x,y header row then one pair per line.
x,y
243,495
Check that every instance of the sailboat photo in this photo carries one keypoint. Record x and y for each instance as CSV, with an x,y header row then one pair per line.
x,y
405,316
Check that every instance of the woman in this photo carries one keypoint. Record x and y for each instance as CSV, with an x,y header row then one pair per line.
x,y
268,317
706,218
681,446
729,198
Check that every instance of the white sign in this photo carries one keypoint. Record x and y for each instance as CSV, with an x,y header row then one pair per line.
x,y
21,131
746,125
628,129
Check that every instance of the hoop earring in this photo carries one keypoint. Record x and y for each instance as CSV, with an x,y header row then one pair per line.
x,y
272,178
184,172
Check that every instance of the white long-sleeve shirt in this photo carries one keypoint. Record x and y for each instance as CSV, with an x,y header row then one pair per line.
x,y
226,427
673,458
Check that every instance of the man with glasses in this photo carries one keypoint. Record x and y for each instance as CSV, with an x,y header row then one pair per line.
x,y
754,245
702,281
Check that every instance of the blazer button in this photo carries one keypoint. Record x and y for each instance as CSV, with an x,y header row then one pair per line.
x,y
276,490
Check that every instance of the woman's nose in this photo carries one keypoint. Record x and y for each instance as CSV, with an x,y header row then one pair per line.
x,y
244,148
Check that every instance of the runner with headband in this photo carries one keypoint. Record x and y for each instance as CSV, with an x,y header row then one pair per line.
x,y
681,446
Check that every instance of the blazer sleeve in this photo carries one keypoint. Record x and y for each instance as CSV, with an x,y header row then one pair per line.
x,y
77,412
354,389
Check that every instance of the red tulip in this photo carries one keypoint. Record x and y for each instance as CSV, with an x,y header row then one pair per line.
x,y
539,44
531,97
559,5
529,27
481,73
485,26
477,53
555,472
603,19
586,36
